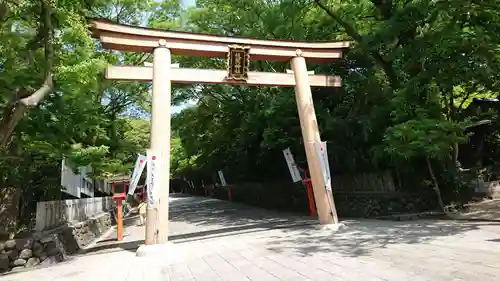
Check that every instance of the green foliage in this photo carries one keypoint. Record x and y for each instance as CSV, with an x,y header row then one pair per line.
x,y
180,163
424,137
85,119
411,72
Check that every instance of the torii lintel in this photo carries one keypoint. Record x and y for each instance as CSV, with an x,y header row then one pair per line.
x,y
138,39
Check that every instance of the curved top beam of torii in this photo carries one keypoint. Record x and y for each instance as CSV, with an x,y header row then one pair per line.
x,y
138,39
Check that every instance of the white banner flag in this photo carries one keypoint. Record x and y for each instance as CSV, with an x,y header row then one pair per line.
x,y
136,174
154,163
325,169
325,166
292,167
222,179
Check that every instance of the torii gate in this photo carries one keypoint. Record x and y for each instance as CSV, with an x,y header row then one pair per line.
x,y
238,52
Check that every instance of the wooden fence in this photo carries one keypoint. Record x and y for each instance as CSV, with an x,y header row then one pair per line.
x,y
51,214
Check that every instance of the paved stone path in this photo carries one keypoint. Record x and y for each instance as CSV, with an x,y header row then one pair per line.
x,y
233,242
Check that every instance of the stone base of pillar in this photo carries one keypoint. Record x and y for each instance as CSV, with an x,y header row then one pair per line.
x,y
332,227
162,252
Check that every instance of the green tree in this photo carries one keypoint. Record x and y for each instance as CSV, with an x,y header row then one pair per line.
x,y
51,65
411,70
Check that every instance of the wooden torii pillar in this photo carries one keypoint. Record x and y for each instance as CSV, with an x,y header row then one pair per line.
x,y
238,51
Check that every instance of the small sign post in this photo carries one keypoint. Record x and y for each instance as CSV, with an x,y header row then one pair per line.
x,y
296,177
222,179
119,197
224,183
292,167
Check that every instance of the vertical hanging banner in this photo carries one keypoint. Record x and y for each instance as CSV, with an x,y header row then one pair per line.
x,y
325,169
136,174
222,179
154,162
325,166
292,167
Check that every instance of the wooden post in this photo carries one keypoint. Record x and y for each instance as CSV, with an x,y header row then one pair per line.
x,y
310,134
230,193
157,216
119,220
310,197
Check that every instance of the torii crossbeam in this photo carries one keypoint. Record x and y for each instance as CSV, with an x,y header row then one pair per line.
x,y
238,51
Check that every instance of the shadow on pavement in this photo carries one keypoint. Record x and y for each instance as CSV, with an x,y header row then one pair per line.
x,y
193,236
358,238
361,237
197,218
207,212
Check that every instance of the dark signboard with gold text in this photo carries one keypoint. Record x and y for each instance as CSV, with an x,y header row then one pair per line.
x,y
238,62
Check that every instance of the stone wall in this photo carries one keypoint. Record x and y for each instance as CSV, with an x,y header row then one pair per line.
x,y
489,189
293,197
372,205
29,252
50,214
89,230
52,246
381,182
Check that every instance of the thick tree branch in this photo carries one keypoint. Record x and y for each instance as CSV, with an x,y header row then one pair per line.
x,y
38,95
354,34
15,112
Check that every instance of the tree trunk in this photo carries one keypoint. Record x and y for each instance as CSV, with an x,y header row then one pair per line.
x,y
12,115
435,184
455,155
398,176
9,210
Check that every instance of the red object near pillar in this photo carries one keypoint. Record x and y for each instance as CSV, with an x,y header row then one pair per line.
x,y
230,193
310,196
119,220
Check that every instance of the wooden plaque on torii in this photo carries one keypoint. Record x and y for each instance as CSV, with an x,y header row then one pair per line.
x,y
238,61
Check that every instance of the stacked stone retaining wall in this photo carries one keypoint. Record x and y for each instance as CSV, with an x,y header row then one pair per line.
x,y
51,246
